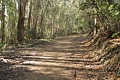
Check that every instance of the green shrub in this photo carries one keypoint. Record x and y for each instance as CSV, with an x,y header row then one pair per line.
x,y
115,35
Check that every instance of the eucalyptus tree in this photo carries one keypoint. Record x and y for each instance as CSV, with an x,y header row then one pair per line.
x,y
11,20
32,19
102,13
3,21
30,6
20,27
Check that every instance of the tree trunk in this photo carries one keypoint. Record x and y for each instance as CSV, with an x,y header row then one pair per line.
x,y
20,34
35,18
15,24
3,22
53,26
41,22
95,18
95,24
29,18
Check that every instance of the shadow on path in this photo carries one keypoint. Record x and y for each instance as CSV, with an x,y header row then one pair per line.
x,y
64,59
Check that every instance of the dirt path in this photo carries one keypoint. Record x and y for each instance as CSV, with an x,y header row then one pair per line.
x,y
64,59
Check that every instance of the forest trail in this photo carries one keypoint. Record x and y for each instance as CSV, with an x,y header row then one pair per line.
x,y
66,58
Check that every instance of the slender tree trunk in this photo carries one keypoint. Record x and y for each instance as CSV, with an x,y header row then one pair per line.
x,y
20,34
29,18
15,24
95,24
35,18
53,26
41,22
10,22
95,19
3,21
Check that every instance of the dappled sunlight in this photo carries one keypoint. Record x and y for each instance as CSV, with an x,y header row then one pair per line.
x,y
54,72
27,52
61,60
60,40
65,42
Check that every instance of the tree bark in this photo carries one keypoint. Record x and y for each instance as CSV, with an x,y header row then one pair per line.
x,y
35,18
41,22
20,34
3,22
95,18
29,18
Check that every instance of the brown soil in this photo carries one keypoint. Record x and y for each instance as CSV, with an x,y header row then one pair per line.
x,y
66,58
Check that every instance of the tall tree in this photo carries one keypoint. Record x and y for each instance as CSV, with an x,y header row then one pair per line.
x,y
11,21
29,17
40,25
35,18
95,17
3,21
21,7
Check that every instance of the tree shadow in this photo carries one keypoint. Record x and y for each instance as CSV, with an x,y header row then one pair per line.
x,y
7,72
51,53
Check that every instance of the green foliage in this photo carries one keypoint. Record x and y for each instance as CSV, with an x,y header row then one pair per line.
x,y
1,45
28,34
107,13
115,35
63,17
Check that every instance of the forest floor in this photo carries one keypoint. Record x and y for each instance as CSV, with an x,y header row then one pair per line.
x,y
65,58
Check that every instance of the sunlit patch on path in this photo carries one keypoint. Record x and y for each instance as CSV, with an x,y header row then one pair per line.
x,y
64,59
